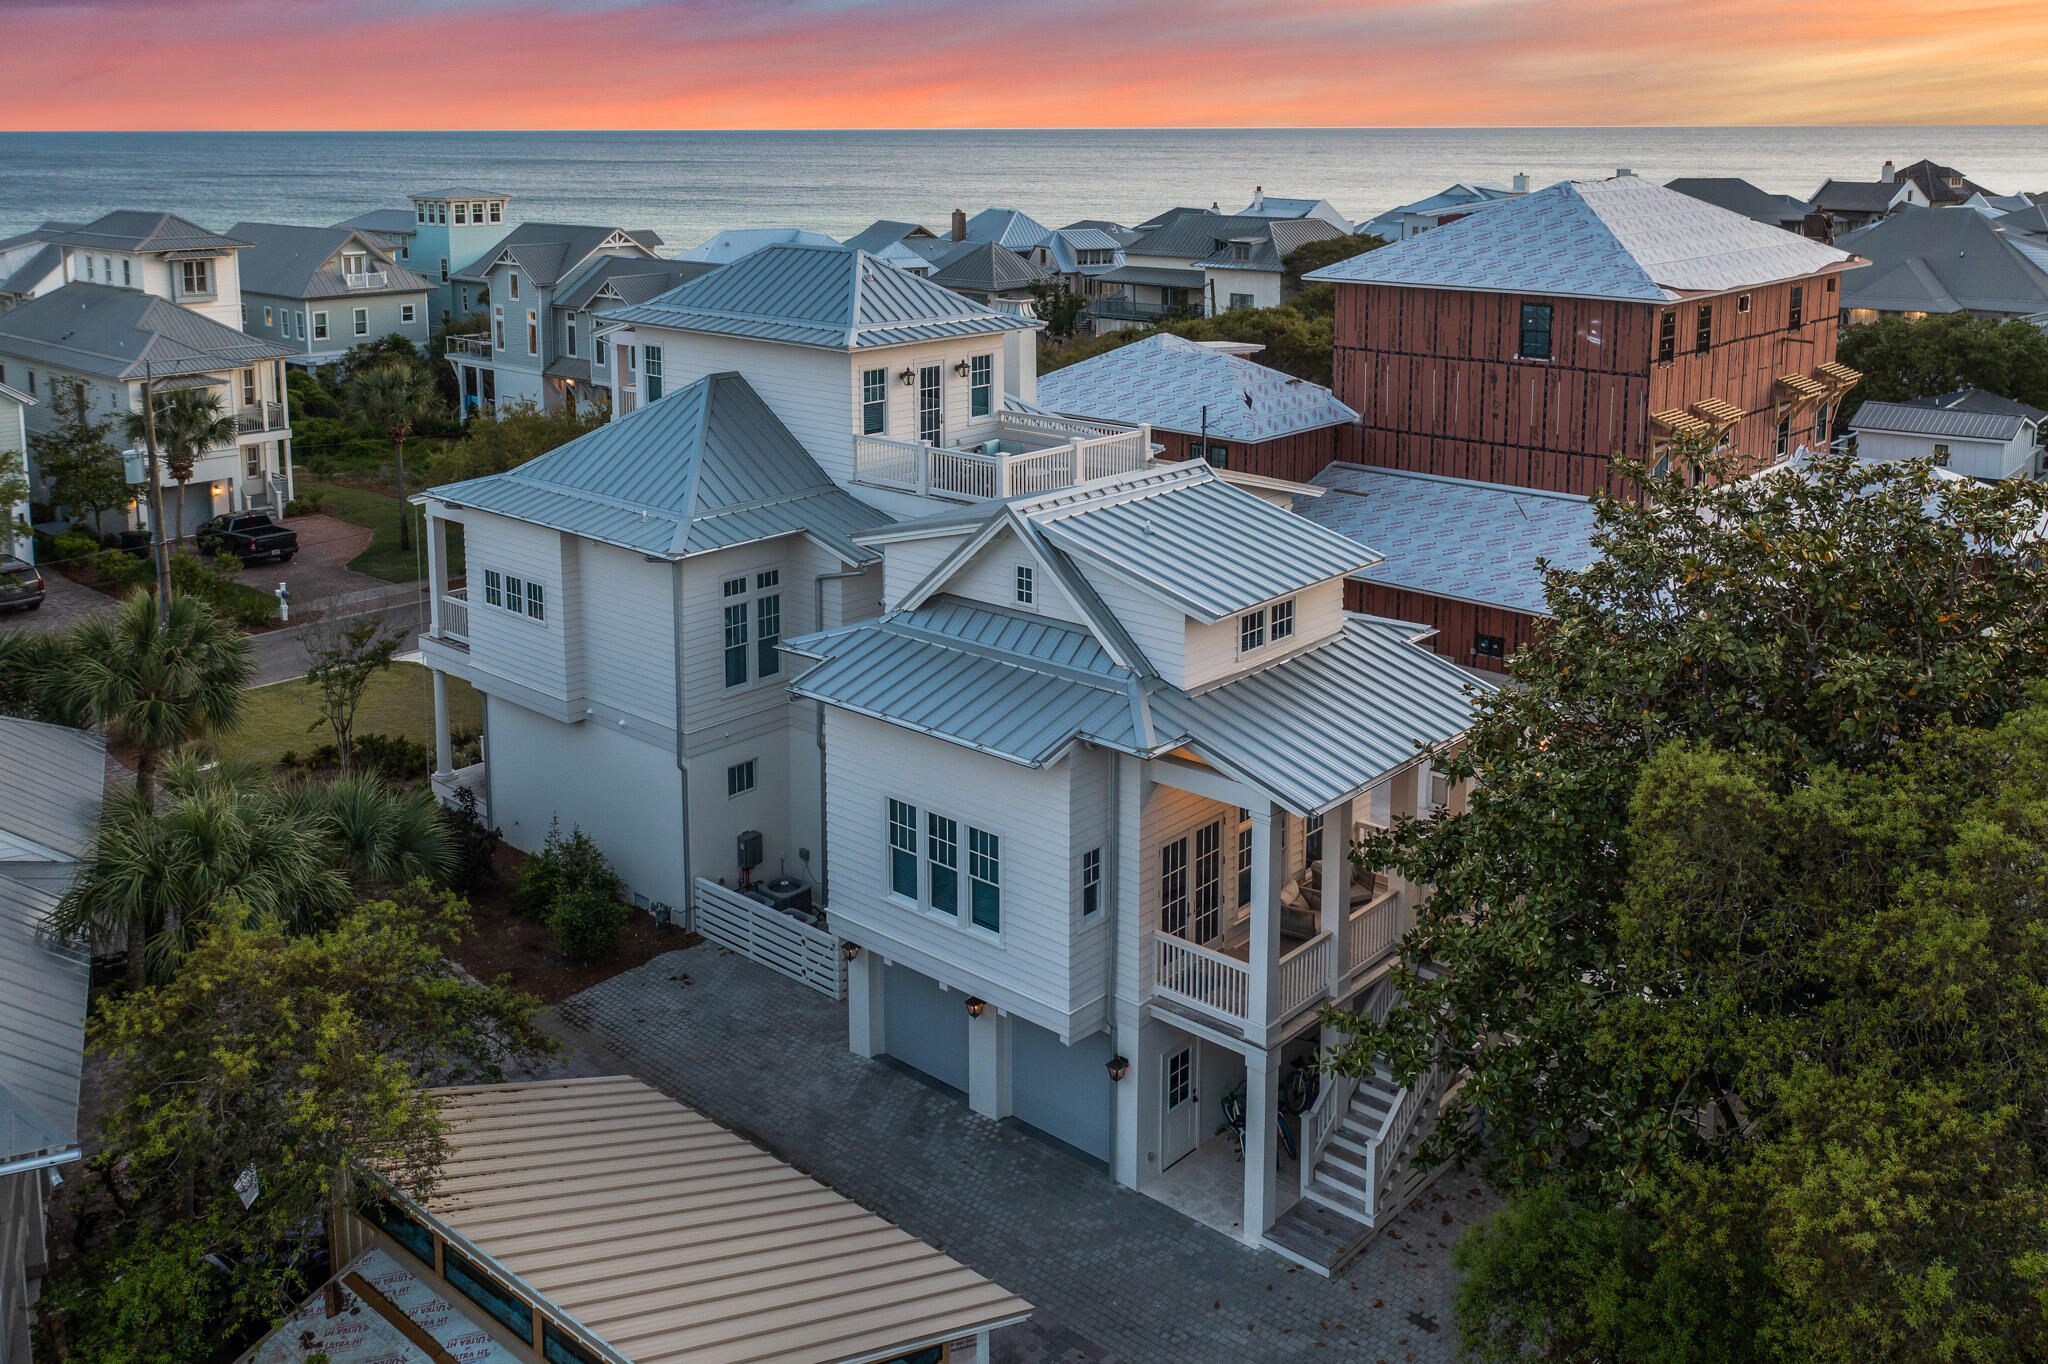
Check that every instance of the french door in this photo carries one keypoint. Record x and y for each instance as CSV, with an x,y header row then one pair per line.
x,y
1191,884
931,410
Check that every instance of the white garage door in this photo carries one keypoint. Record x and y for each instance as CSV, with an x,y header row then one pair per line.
x,y
1064,1092
926,1027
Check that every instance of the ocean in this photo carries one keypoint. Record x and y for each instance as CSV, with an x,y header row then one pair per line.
x,y
688,185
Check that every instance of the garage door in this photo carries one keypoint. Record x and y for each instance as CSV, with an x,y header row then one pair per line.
x,y
926,1027
1064,1092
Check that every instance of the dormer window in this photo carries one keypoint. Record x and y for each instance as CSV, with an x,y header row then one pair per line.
x,y
1282,620
353,262
1027,585
1251,631
1240,250
195,278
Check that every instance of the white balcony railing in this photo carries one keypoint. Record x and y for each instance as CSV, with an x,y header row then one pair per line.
x,y
368,279
975,467
1373,929
1219,985
260,417
455,616
475,343
1305,975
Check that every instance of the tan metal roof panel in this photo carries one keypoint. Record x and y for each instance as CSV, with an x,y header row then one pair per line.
x,y
673,1239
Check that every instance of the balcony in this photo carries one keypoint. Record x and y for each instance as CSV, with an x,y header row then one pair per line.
x,y
1015,453
255,418
1123,308
474,344
368,279
1218,985
452,623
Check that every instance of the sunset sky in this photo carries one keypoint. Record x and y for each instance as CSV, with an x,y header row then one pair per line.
x,y
380,64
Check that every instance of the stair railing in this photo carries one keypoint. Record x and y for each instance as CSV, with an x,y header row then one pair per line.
x,y
1322,1120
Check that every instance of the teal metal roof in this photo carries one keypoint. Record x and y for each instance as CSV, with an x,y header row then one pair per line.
x,y
705,468
833,297
112,332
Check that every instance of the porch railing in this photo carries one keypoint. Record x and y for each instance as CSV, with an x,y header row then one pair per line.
x,y
1324,1117
474,344
1196,976
368,279
1373,929
455,615
950,472
1305,975
260,417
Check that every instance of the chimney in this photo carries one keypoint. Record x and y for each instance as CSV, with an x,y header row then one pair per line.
x,y
1258,198
959,224
1623,173
1887,175
1521,184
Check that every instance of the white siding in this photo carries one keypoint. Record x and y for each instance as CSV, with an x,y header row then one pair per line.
x,y
1262,285
530,653
709,706
1158,629
1212,649
906,563
1026,971
991,577
810,390
1088,828
1970,458
624,615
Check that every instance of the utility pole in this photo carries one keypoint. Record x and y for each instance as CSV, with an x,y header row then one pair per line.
x,y
158,548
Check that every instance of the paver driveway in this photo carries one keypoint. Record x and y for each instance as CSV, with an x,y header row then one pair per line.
x,y
1116,1275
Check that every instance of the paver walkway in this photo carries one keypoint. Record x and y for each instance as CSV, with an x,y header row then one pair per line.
x,y
1117,1276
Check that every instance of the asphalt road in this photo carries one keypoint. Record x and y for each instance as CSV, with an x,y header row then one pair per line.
x,y
282,654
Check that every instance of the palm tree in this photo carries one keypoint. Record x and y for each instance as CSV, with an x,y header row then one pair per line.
x,y
222,832
155,684
189,422
382,835
393,398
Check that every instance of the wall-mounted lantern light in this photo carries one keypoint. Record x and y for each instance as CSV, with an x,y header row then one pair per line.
x,y
849,950
974,1007
906,376
1118,1068
960,370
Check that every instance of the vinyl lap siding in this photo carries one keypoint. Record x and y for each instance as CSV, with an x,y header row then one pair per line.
x,y
708,704
808,389
991,577
530,653
907,563
1156,628
624,608
1212,649
1088,827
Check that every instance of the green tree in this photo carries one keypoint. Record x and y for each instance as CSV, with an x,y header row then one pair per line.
x,y
154,681
76,457
393,398
14,495
348,653
1918,359
31,665
1317,254
379,834
287,1055
493,442
1058,308
189,422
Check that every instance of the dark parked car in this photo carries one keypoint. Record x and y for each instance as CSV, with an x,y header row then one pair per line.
x,y
21,586
248,536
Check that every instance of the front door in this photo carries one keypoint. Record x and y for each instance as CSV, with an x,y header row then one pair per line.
x,y
1179,1128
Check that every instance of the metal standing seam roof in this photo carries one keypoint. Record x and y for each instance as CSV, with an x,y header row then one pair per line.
x,y
1913,419
145,232
1935,260
1083,238
287,261
1309,730
33,271
113,332
548,252
1008,226
1190,236
707,467
1449,537
386,222
1739,196
1168,381
1622,238
884,232
635,279
671,1239
987,267
833,297
1159,276
735,244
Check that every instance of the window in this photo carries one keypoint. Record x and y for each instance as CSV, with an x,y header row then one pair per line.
x,y
195,277
570,324
405,312
402,1227
1240,250
1742,303
931,411
319,326
476,213
497,212
981,379
444,269
1027,585
1667,335
1941,452
252,461
1240,301
362,321
248,387
1283,620
505,1307
107,268
300,319
1820,423
267,318
600,351
461,214
1798,314
1173,887
420,211
984,875
874,401
555,1347
498,328
1091,881
1251,631
1703,328
1244,858
89,269
1536,318
942,857
515,284
536,600
1493,646
903,849
1439,790
1312,839
768,634
739,779
630,358
532,334
736,644
352,262
1831,284
1784,435
652,354
515,595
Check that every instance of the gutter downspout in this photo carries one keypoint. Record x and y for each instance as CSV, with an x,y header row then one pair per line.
x,y
682,761
822,898
1112,905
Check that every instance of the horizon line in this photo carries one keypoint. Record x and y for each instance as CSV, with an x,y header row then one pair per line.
x,y
1045,128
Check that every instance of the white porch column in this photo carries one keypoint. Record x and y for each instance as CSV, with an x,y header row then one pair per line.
x,y
437,570
1126,967
866,1015
988,1064
1269,864
1337,889
1261,1134
443,750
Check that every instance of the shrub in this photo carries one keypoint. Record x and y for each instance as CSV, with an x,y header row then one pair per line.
x,y
118,568
213,581
473,863
586,924
392,756
302,506
288,758
75,546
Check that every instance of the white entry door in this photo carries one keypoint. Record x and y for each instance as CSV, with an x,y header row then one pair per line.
x,y
1180,1118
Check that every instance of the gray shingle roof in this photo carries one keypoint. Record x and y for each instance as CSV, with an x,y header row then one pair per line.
x,y
1168,381
1739,196
707,467
1026,689
548,252
835,297
1194,235
1622,238
986,267
1855,196
1939,260
103,330
635,279
286,261
391,222
134,230
1449,537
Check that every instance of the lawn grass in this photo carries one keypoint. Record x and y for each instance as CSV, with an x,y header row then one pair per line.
x,y
380,512
398,702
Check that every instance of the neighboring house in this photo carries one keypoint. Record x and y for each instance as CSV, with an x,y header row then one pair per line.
x,y
1206,263
31,264
1449,205
451,227
534,349
1264,205
1206,402
689,1243
1534,342
110,338
1084,252
1997,206
156,253
318,291
1011,228
2030,222
989,272
14,406
737,243
1089,784
395,229
1928,260
1461,558
1739,196
53,778
1977,434
893,242
1939,185
1846,205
